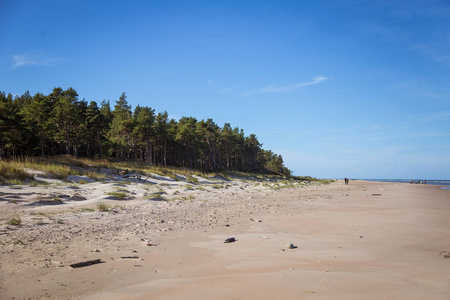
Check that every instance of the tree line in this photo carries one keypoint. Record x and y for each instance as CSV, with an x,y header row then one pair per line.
x,y
61,123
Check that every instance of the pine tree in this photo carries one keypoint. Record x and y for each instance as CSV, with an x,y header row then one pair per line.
x,y
144,131
121,127
37,117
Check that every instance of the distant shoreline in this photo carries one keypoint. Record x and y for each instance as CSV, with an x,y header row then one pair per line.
x,y
439,182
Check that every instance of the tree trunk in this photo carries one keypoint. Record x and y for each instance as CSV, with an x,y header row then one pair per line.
x,y
148,155
2,150
75,147
42,146
99,143
165,153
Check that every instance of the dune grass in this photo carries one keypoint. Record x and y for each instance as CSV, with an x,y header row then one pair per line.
x,y
60,167
11,173
118,194
16,221
103,207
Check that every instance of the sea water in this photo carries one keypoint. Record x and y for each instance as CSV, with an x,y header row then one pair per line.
x,y
445,184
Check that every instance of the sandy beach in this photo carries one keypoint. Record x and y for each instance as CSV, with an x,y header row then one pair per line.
x,y
165,240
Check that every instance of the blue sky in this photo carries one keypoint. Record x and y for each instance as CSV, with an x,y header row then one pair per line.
x,y
357,89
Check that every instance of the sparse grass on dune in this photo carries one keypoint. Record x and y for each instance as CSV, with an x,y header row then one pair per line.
x,y
60,167
103,207
11,173
16,221
15,171
48,167
118,194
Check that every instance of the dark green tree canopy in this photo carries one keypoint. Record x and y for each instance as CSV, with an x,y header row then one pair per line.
x,y
60,123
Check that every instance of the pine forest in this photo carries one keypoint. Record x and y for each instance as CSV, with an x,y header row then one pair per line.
x,y
60,123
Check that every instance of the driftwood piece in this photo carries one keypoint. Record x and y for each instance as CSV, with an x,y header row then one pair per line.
x,y
86,263
129,257
136,176
144,180
230,240
123,172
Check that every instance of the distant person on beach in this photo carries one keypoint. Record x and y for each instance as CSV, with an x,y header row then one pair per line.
x,y
346,180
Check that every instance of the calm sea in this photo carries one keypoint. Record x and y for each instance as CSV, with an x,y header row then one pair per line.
x,y
444,183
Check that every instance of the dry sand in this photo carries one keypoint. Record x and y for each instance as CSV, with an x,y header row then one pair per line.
x,y
366,240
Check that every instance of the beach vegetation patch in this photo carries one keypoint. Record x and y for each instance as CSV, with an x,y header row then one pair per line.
x,y
12,174
326,181
174,177
103,207
98,176
85,209
15,221
36,183
191,179
157,196
119,207
120,195
186,198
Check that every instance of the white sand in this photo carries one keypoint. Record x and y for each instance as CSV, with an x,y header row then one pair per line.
x,y
350,242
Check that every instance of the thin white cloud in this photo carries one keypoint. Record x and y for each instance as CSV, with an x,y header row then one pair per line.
x,y
274,88
32,59
229,89
438,53
289,88
379,127
440,116
208,81
247,94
